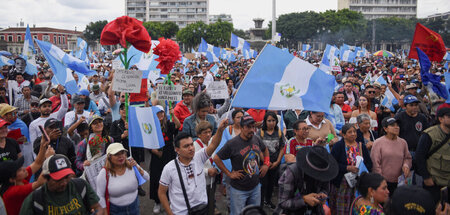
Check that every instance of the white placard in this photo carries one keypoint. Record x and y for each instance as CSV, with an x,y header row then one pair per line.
x,y
116,64
169,93
91,172
218,90
127,81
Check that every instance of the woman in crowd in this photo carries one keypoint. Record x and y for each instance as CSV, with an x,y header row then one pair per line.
x,y
390,154
335,115
320,128
374,192
94,146
15,179
345,152
201,106
117,183
365,134
274,139
162,156
364,107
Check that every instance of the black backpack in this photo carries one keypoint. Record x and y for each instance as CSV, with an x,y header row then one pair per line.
x,y
39,197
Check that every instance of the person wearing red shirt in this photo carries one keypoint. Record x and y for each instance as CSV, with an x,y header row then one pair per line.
x,y
258,115
15,179
300,140
346,109
183,109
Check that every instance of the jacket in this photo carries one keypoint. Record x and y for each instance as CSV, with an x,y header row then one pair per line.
x,y
181,111
190,123
438,164
340,155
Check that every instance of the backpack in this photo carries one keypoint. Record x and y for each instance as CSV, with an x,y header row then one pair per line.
x,y
38,196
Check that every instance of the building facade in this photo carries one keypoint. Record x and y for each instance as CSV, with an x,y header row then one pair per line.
x,y
14,37
374,9
223,17
182,12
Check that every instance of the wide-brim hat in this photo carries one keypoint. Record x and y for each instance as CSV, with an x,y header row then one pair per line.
x,y
317,163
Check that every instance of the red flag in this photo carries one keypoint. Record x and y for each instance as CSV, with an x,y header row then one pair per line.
x,y
429,42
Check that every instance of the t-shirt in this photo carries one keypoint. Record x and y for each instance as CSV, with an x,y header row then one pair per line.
x,y
411,128
294,146
273,143
16,194
346,108
67,202
244,155
11,150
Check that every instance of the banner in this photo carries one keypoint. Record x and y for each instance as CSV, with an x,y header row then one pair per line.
x,y
429,42
169,93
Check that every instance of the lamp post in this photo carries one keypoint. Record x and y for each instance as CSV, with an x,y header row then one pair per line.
x,y
274,20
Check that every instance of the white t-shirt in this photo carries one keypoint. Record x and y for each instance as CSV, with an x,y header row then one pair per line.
x,y
70,117
208,163
195,186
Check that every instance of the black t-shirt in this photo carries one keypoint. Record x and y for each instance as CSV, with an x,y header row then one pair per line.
x,y
10,151
273,142
244,155
411,128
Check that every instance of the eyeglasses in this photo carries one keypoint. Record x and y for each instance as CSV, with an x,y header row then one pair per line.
x,y
303,129
371,92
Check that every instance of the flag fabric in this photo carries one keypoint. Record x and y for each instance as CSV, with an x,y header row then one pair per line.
x,y
83,81
429,42
144,128
239,43
329,57
277,37
214,69
80,50
447,85
306,47
211,52
4,61
102,49
29,53
279,81
348,55
60,63
446,56
429,78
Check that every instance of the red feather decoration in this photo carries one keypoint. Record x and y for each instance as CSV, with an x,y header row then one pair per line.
x,y
168,52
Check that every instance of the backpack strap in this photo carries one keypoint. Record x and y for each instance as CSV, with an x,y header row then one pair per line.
x,y
262,133
106,191
38,201
230,129
80,186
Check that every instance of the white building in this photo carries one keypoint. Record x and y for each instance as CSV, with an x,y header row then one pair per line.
x,y
182,12
223,17
373,9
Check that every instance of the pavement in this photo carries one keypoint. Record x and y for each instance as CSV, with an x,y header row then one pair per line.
x,y
146,204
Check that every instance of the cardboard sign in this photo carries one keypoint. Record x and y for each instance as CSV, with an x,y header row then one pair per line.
x,y
218,90
127,81
190,56
91,172
116,64
169,93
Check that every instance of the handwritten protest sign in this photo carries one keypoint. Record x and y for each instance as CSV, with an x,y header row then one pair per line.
x,y
217,90
91,172
116,64
127,81
169,93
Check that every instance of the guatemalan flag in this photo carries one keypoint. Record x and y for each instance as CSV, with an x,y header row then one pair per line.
x,y
212,53
239,43
29,54
306,47
4,61
329,57
144,128
81,49
57,60
279,81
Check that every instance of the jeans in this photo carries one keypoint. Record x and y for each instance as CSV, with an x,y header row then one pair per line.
x,y
240,199
131,209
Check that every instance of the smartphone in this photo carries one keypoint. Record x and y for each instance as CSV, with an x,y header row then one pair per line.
x,y
444,197
44,133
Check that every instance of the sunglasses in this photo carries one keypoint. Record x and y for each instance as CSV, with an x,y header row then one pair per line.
x,y
371,92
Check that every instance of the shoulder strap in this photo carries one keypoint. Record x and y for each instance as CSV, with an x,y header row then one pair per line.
x,y
434,150
38,201
279,133
230,128
262,133
81,188
106,190
182,186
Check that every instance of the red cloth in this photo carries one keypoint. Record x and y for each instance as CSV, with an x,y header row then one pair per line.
x,y
294,146
181,111
257,116
16,194
56,103
346,108
429,42
142,96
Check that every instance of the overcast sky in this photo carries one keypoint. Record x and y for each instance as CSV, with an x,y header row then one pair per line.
x,y
68,14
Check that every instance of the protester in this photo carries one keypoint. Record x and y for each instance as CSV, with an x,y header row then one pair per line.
x,y
413,200
374,192
320,128
365,134
17,131
61,192
300,140
310,175
364,107
9,149
201,105
193,184
117,185
274,140
32,115
290,117
78,112
245,152
183,108
23,102
345,152
89,105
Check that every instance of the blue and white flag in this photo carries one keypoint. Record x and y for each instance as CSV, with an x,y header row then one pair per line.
x,y
306,47
80,50
60,63
102,49
144,128
83,81
4,61
348,55
429,78
446,56
211,52
302,54
447,85
239,43
248,54
29,53
329,58
214,69
279,81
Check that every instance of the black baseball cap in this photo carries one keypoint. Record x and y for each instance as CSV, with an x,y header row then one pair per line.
x,y
57,166
246,120
9,168
412,200
52,122
388,121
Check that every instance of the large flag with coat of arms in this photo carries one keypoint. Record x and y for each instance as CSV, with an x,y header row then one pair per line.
x,y
279,81
144,128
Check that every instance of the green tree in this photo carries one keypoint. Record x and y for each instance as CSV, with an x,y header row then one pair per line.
x,y
169,29
191,34
219,33
392,29
240,33
93,31
154,29
297,27
343,26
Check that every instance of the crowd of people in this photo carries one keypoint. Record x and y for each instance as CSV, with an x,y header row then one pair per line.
x,y
362,157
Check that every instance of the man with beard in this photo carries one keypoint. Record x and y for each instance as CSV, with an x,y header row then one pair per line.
x,y
45,107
